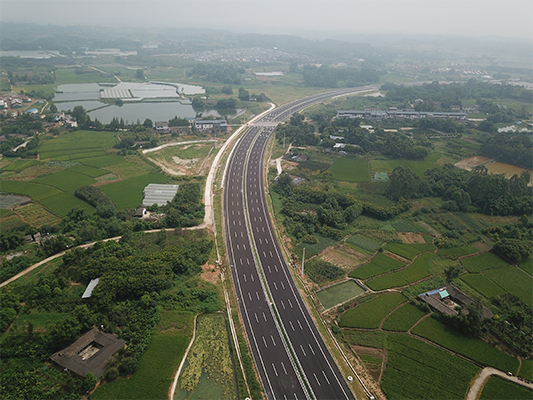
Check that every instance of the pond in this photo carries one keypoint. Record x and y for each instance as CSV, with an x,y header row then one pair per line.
x,y
493,167
87,95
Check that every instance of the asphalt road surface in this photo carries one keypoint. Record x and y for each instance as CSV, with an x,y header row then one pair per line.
x,y
292,359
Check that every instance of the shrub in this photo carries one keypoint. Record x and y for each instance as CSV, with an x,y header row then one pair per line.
x,y
111,374
128,366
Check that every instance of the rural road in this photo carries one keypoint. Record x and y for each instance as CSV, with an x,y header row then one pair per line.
x,y
484,375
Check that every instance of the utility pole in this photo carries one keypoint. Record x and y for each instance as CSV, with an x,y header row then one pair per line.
x,y
303,261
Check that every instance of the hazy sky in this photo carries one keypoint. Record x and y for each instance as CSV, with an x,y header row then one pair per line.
x,y
508,18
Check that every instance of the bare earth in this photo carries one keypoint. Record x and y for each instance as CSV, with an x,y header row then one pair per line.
x,y
411,237
470,163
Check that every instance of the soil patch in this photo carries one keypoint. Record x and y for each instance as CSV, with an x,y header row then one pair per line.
x,y
470,163
411,237
210,273
481,246
343,256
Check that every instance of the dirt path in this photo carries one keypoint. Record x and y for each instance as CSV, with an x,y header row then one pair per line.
x,y
479,382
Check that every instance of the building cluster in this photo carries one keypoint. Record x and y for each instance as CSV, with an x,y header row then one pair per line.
x,y
217,125
65,119
450,300
377,114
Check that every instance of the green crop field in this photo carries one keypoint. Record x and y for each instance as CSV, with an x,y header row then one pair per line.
x,y
403,318
483,285
88,170
157,365
415,369
19,165
340,293
129,193
417,270
473,348
364,243
104,161
40,320
527,266
350,169
379,265
457,251
483,262
370,314
61,203
35,191
407,226
313,249
526,370
404,250
66,180
76,145
419,167
515,281
497,388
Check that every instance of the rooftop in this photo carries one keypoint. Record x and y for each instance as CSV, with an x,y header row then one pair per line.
x,y
90,353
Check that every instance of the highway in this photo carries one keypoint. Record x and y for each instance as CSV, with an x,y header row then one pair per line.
x,y
292,360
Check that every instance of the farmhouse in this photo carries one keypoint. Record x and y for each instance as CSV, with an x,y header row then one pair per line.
x,y
219,125
90,353
159,194
448,300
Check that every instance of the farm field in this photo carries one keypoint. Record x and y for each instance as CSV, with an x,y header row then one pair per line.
x,y
344,256
65,180
526,370
473,348
36,191
350,169
76,145
403,225
419,167
19,165
457,251
415,369
527,266
364,243
61,203
497,388
129,193
370,314
513,280
419,269
338,294
35,214
483,285
314,249
483,262
403,318
157,365
407,250
379,265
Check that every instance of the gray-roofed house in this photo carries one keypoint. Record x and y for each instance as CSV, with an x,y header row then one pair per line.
x,y
159,194
449,299
90,353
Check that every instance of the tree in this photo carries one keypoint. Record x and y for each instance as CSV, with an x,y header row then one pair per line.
x,y
140,74
148,123
79,115
89,382
53,108
515,250
227,89
244,95
403,183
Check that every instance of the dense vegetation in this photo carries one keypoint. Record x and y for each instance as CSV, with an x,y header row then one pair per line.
x,y
138,277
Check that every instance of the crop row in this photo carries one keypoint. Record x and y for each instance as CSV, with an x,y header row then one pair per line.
x,y
473,348
364,243
419,269
379,265
403,318
483,262
370,314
